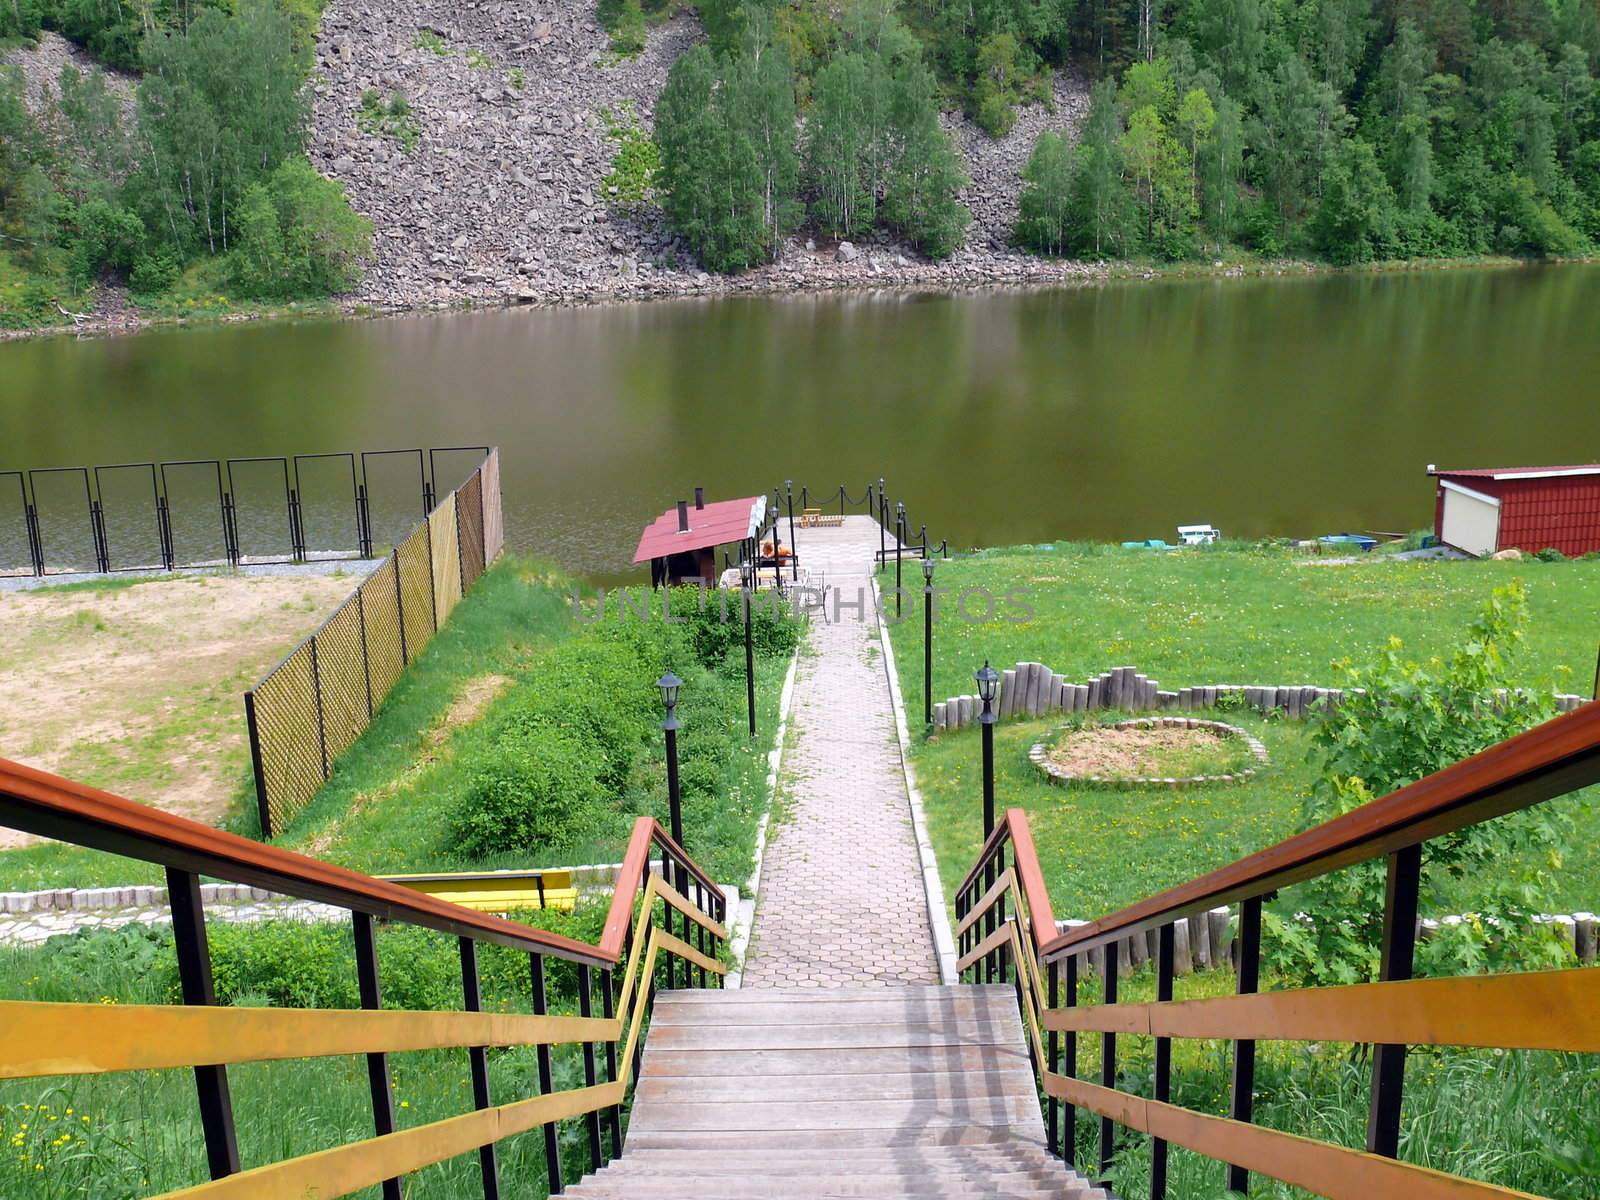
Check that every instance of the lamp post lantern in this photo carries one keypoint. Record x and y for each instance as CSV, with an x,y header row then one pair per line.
x,y
746,581
988,680
927,641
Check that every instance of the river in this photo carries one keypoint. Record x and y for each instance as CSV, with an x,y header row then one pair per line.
x,y
1267,406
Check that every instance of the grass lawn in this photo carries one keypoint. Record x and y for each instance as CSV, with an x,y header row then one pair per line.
x,y
1221,615
1231,614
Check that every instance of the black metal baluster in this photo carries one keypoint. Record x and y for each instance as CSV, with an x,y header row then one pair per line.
x,y
592,1117
1242,1107
194,978
1109,1058
1163,1088
1399,950
1069,1068
552,1145
988,920
1052,1051
608,1007
370,986
478,1059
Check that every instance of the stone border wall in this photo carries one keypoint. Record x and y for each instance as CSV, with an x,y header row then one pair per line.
x,y
1204,942
1031,689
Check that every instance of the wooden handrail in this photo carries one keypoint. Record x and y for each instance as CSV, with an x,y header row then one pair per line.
x,y
1013,827
635,865
1552,759
38,802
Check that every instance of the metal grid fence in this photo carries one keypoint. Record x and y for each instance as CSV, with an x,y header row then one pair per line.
x,y
314,704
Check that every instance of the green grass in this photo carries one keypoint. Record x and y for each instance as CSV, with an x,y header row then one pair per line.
x,y
1230,614
1220,615
384,809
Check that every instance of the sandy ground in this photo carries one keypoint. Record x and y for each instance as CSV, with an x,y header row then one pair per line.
x,y
1142,753
139,689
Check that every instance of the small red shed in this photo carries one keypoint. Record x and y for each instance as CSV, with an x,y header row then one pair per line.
x,y
1522,508
681,544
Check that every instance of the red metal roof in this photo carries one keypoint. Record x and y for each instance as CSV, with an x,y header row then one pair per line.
x,y
717,523
1518,472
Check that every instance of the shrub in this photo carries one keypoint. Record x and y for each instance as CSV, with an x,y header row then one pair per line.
x,y
1550,554
1410,720
153,273
297,236
636,159
716,624
537,794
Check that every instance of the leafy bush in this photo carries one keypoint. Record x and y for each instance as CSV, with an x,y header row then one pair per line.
x,y
537,794
1550,554
604,697
297,236
1413,719
153,273
636,159
716,624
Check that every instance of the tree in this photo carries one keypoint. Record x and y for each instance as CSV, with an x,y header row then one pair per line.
x,y
1197,118
1298,122
998,84
1102,207
1221,168
1045,205
220,108
841,150
1356,216
920,196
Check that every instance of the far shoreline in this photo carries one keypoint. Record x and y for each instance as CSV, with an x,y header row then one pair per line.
x,y
776,281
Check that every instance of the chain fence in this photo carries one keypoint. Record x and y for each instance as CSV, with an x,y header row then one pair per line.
x,y
313,705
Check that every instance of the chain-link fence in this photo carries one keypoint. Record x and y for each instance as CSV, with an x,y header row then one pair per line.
x,y
314,704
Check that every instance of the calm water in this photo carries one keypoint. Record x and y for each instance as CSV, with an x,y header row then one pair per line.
x,y
1266,407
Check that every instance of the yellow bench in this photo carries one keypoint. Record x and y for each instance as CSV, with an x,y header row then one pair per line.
x,y
497,891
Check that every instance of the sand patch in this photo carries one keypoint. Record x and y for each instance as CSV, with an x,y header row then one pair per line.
x,y
139,690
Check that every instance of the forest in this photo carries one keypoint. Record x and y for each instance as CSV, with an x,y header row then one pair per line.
x,y
1341,130
198,185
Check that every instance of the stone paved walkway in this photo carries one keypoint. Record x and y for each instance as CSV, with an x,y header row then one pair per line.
x,y
842,900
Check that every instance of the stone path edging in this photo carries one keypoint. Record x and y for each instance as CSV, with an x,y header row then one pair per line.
x,y
745,911
1039,755
944,943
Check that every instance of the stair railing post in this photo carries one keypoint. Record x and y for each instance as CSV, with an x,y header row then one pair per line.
x,y
369,985
591,1119
477,1059
1069,1068
1108,1060
608,998
1400,898
1163,1081
1052,1053
195,981
552,1144
1242,1105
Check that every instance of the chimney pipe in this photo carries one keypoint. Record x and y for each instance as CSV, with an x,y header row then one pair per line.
x,y
699,497
683,516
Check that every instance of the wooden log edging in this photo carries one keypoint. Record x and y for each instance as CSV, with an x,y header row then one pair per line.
x,y
1031,689
1039,755
1205,941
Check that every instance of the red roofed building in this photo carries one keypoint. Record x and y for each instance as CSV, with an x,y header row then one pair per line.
x,y
1521,508
682,542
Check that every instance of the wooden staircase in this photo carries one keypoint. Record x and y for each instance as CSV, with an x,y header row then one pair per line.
x,y
917,1091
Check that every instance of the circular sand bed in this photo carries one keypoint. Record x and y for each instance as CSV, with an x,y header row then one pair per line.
x,y
1150,752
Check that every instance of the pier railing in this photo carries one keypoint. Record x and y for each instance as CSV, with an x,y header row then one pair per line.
x,y
1005,930
313,705
638,952
211,512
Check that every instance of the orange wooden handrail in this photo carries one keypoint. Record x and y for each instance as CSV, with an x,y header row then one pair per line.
x,y
1552,759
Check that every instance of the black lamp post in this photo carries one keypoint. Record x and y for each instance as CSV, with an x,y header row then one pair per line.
x,y
794,558
899,541
669,685
746,580
927,641
883,517
988,681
